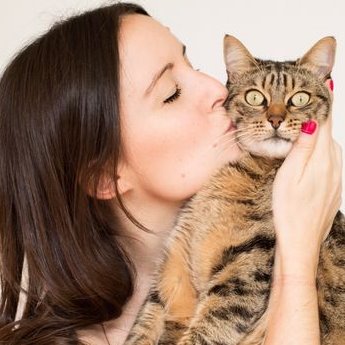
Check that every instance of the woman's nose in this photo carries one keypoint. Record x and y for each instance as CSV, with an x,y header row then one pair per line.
x,y
221,96
216,93
210,93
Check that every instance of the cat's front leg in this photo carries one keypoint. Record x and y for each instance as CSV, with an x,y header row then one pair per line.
x,y
234,303
335,338
220,322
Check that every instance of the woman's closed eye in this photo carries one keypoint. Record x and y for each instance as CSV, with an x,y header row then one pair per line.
x,y
174,96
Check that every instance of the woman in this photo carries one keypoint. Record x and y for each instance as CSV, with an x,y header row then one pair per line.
x,y
106,128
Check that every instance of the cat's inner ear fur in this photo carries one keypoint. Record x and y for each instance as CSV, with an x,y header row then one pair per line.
x,y
237,58
320,58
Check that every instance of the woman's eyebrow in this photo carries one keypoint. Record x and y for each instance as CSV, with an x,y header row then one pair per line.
x,y
157,76
160,73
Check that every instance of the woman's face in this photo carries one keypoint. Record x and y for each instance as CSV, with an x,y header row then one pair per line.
x,y
175,130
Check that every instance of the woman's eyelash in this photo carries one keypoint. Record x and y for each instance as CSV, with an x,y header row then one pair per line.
x,y
173,97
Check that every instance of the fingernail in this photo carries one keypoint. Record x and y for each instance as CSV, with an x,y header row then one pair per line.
x,y
308,127
331,84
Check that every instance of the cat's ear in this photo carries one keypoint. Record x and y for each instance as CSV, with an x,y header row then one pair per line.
x,y
237,58
320,58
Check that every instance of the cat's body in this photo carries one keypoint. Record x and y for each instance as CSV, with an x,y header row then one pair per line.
x,y
213,285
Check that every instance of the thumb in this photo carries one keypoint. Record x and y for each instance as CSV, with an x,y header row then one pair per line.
x,y
304,145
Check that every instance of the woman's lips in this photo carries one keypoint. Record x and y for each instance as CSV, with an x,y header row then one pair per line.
x,y
231,127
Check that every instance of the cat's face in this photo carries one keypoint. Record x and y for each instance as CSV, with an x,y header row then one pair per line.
x,y
268,101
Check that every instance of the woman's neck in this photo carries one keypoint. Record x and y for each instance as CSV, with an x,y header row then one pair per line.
x,y
145,248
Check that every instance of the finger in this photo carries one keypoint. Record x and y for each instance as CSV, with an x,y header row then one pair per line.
x,y
325,131
325,138
339,158
304,145
338,150
330,84
325,135
324,157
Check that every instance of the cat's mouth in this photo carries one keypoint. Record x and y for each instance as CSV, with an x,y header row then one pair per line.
x,y
275,146
277,137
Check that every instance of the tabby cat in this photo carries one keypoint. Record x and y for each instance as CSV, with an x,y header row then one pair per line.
x,y
213,284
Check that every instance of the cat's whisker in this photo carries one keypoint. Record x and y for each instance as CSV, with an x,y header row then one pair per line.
x,y
235,138
239,135
238,132
228,144
252,138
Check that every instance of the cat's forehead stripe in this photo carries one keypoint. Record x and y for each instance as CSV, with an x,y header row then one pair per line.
x,y
276,75
285,79
272,78
293,82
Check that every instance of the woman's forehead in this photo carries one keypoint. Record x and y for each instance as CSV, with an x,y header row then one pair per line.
x,y
137,28
145,47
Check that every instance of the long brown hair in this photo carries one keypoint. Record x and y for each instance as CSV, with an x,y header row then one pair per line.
x,y
59,128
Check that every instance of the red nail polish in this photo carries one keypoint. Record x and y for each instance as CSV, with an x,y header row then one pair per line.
x,y
331,84
308,127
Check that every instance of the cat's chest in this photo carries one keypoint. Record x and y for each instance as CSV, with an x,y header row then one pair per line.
x,y
237,196
247,183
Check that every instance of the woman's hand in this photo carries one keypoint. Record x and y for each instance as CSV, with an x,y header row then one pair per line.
x,y
307,195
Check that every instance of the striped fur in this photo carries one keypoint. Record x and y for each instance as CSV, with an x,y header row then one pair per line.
x,y
213,284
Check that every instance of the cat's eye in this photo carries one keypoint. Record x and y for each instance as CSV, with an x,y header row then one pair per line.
x,y
255,98
300,99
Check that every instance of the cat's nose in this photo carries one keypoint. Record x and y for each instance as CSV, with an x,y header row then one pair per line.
x,y
275,121
276,114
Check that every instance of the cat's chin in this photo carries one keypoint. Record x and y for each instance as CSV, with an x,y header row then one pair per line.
x,y
271,148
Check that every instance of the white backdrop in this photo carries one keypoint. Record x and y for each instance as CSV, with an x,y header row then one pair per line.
x,y
275,29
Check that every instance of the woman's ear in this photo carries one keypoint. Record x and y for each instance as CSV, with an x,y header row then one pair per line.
x,y
106,188
108,184
111,183
123,184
